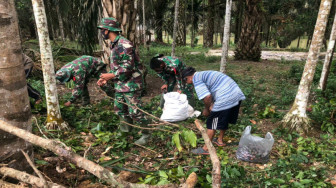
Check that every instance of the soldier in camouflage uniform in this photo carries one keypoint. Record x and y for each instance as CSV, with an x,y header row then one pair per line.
x,y
127,74
80,71
170,70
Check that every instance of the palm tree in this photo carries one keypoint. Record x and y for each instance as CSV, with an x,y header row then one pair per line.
x,y
125,12
328,57
14,102
54,119
297,118
248,47
175,27
226,37
144,23
209,29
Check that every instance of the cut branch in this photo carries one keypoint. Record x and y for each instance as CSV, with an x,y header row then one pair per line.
x,y
27,178
216,177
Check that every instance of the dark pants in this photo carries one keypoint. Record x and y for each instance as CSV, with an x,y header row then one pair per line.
x,y
33,93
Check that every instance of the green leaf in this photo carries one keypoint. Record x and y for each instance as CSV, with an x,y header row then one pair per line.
x,y
163,174
163,182
278,181
176,140
209,178
190,137
180,171
72,165
148,180
306,181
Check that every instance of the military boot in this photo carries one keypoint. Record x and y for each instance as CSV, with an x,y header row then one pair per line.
x,y
144,138
126,128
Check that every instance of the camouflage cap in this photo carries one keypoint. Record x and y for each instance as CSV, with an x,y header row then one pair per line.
x,y
110,24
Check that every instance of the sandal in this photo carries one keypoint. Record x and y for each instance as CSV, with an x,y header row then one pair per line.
x,y
215,141
200,151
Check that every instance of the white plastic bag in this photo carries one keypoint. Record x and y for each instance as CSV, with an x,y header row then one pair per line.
x,y
254,149
175,107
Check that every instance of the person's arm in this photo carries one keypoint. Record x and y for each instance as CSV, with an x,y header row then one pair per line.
x,y
207,105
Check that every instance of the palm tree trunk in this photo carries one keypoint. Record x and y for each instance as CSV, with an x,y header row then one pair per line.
x,y
328,57
144,24
297,118
60,21
226,38
54,119
208,35
248,47
239,20
175,27
181,27
192,24
14,101
298,43
125,12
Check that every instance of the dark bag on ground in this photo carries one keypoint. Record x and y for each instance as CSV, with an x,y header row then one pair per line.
x,y
254,149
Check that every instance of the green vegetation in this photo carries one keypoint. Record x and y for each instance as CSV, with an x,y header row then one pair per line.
x,y
270,88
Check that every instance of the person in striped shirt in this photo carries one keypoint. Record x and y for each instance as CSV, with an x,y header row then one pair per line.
x,y
222,98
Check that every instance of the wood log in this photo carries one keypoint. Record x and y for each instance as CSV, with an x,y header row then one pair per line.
x,y
216,177
26,178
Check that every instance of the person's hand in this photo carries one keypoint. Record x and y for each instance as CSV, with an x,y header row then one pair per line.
x,y
67,103
107,76
101,82
164,87
206,112
179,91
210,108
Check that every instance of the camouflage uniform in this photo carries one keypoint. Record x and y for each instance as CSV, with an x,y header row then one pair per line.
x,y
80,71
172,73
128,82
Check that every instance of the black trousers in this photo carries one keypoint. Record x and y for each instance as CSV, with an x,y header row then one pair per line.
x,y
33,93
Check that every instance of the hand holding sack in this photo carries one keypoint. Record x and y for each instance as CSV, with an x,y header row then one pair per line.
x,y
254,149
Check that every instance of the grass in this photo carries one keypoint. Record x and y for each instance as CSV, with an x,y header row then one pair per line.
x,y
270,88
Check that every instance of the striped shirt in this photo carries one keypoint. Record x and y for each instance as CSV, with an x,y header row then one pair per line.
x,y
224,90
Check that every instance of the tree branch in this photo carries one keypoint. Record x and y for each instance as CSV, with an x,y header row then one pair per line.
x,y
59,148
27,178
45,184
216,177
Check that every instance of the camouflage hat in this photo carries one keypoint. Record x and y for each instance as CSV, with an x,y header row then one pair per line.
x,y
110,24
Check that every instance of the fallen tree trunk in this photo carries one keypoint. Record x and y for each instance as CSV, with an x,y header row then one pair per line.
x,y
216,177
60,149
26,178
